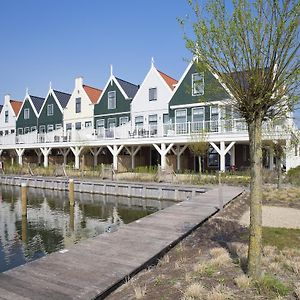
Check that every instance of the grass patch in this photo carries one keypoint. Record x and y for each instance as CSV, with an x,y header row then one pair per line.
x,y
278,237
281,237
272,287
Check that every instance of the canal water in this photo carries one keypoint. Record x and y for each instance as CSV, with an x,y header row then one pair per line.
x,y
52,224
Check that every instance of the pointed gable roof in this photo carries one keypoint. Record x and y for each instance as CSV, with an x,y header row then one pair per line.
x,y
16,106
93,93
171,82
63,98
129,88
37,102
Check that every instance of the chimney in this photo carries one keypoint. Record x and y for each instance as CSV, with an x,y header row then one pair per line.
x,y
6,99
78,82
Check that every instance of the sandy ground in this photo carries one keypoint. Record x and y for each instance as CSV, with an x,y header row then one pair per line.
x,y
274,216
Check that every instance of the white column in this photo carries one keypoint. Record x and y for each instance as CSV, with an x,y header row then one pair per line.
x,y
46,152
222,152
20,155
163,150
115,151
76,151
232,156
222,156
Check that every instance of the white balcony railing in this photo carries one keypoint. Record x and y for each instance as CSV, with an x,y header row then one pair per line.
x,y
126,131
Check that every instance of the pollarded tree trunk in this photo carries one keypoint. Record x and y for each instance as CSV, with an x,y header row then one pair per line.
x,y
255,238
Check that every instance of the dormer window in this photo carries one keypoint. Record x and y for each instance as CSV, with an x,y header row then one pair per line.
x,y
152,94
198,84
78,105
111,99
50,110
26,113
6,116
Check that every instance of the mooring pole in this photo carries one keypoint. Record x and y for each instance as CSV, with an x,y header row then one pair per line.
x,y
24,198
72,221
24,229
71,192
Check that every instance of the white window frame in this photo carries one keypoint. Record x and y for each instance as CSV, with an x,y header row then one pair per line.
x,y
58,126
68,126
101,122
123,120
42,128
154,98
111,95
111,121
198,108
26,114
181,110
76,123
33,128
20,131
50,109
139,124
200,90
6,116
153,122
26,130
87,124
79,104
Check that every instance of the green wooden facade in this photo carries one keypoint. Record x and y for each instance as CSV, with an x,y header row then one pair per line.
x,y
26,125
213,91
122,109
48,121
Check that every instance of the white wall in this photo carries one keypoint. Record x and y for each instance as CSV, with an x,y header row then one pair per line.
x,y
11,116
141,106
87,108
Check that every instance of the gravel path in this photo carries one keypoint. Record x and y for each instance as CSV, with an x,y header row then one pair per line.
x,y
274,216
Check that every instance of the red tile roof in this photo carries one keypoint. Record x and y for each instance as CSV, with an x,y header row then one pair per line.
x,y
171,82
93,93
16,105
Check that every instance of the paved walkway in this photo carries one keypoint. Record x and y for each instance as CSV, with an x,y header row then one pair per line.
x,y
90,269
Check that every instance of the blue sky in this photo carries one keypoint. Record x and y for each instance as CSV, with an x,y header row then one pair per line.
x,y
43,41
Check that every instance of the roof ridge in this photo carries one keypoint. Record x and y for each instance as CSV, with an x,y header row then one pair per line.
x,y
92,87
166,74
62,92
118,78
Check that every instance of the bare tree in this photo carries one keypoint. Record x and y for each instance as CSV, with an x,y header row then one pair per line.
x,y
253,47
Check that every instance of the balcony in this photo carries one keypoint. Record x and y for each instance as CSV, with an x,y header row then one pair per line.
x,y
126,131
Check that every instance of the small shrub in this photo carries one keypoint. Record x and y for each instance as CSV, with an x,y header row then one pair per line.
x,y
164,260
271,286
243,282
139,291
204,269
219,292
194,291
293,176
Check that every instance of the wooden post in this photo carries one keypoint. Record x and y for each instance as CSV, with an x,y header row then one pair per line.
x,y
24,198
220,192
71,191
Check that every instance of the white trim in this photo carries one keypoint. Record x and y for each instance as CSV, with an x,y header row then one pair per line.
x,y
113,114
186,116
114,122
183,76
33,107
51,91
127,120
52,109
110,97
192,78
112,78
203,108
206,103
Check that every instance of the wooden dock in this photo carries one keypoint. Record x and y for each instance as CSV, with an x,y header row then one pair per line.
x,y
93,268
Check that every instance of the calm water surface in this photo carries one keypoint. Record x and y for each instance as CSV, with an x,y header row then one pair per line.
x,y
52,225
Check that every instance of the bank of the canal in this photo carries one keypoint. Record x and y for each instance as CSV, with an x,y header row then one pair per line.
x,y
95,267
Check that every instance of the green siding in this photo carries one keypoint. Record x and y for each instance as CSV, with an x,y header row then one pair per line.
x,y
117,117
122,105
56,118
21,122
213,91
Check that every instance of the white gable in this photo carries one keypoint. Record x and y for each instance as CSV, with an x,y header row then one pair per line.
x,y
87,107
11,124
141,106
